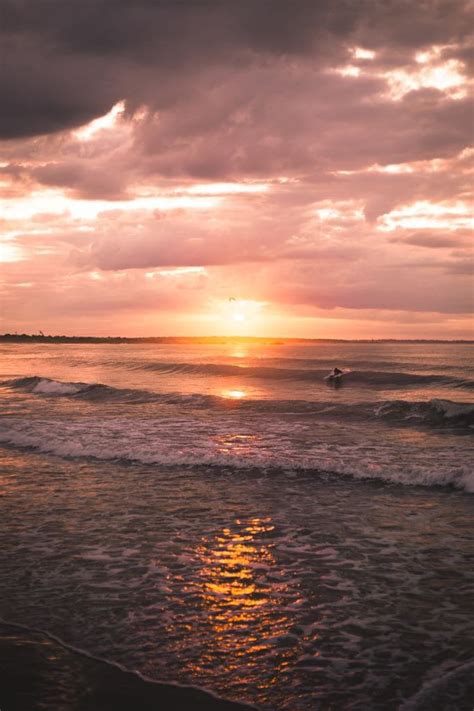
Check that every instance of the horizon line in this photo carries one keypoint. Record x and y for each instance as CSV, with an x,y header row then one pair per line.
x,y
275,340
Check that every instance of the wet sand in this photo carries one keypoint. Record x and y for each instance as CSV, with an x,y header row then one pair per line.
x,y
39,673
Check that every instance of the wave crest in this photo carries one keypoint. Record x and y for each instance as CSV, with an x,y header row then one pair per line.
x,y
434,412
150,442
430,412
372,378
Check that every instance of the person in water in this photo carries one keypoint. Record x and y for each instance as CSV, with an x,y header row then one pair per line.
x,y
336,371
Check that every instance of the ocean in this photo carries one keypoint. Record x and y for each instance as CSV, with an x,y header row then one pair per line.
x,y
222,516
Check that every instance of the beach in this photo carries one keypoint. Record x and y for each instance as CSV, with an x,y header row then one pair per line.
x,y
38,672
219,516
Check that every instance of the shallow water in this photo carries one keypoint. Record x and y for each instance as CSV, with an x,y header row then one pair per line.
x,y
233,542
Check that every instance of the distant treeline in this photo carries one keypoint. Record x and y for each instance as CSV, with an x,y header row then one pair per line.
x,y
204,340
39,338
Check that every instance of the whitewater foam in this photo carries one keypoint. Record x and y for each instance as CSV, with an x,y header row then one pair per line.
x,y
46,386
434,412
185,443
192,429
52,387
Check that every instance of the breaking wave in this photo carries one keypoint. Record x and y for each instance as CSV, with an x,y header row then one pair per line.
x,y
434,412
150,442
431,412
196,430
372,378
86,391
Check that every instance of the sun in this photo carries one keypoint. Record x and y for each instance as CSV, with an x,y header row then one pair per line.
x,y
238,316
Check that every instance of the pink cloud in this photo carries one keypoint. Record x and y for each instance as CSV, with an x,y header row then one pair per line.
x,y
351,124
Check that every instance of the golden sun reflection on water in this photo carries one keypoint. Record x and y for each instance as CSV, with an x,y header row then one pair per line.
x,y
236,444
242,599
239,354
235,394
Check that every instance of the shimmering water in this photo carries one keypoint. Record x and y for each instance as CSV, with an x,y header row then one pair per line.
x,y
222,517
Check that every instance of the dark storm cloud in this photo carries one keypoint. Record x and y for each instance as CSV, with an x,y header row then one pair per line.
x,y
272,121
67,61
264,122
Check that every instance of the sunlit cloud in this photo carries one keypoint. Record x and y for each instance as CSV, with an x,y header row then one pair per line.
x,y
424,214
393,169
108,121
336,211
10,252
446,77
432,54
349,70
226,188
429,71
462,162
56,201
361,53
177,271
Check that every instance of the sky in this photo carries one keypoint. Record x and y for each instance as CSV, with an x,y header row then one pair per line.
x,y
253,167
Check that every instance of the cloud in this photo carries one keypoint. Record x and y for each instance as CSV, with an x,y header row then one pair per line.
x,y
340,130
66,64
369,285
434,241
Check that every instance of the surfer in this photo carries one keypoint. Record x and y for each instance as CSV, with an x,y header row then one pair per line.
x,y
335,377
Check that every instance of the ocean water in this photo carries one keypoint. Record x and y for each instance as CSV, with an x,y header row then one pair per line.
x,y
221,516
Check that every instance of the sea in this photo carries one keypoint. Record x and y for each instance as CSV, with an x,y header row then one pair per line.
x,y
224,516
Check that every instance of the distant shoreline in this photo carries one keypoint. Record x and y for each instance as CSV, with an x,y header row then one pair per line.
x,y
209,340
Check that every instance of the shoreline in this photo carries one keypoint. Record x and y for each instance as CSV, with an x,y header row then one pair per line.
x,y
39,671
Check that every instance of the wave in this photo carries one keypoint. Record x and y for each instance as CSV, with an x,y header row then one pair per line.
x,y
88,391
372,378
257,435
434,412
326,364
180,444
